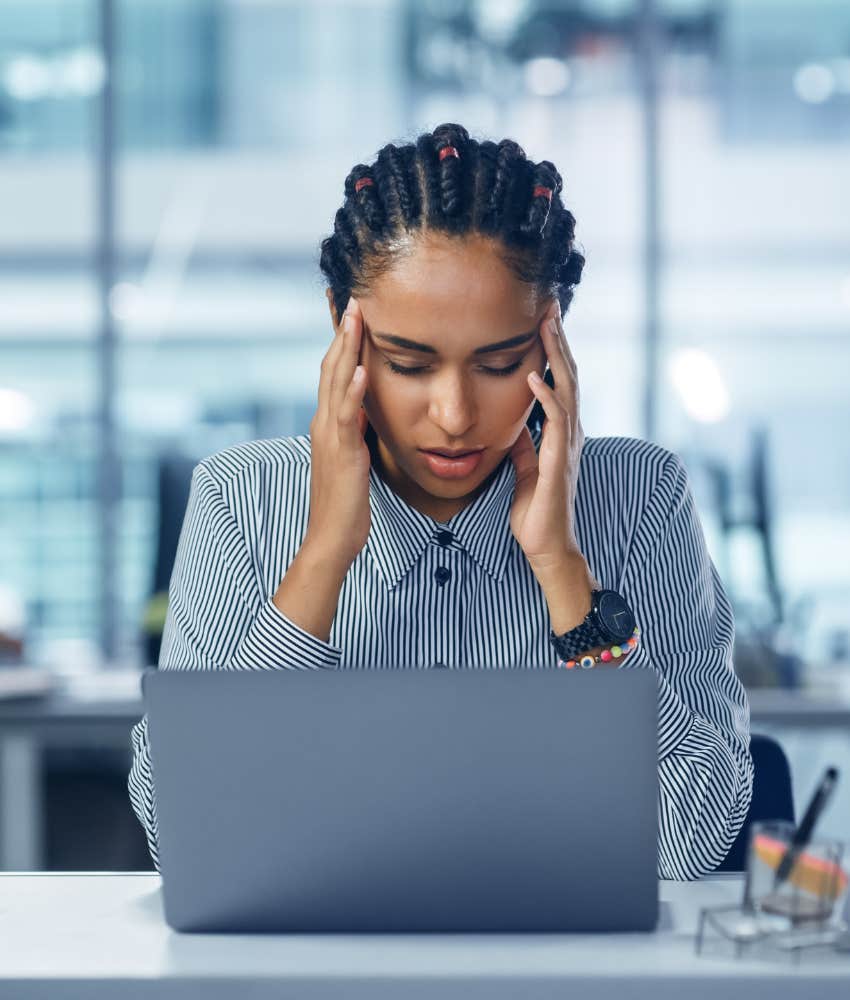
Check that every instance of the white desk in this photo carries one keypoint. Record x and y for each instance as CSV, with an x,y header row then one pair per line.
x,y
91,936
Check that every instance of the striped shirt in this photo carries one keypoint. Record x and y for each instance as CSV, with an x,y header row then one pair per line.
x,y
462,594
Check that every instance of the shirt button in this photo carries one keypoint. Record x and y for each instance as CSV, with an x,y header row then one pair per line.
x,y
442,574
444,537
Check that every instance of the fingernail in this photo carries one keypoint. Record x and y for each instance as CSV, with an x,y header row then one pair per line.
x,y
535,378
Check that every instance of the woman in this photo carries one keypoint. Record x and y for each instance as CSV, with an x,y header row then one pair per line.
x,y
429,520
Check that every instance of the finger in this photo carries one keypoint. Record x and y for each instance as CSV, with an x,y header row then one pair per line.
x,y
523,455
556,430
328,366
553,406
555,353
348,414
563,370
573,431
346,358
574,369
564,344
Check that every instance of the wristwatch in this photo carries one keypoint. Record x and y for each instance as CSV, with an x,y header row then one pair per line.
x,y
610,620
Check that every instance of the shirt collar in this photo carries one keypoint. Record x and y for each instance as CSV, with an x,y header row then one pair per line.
x,y
400,533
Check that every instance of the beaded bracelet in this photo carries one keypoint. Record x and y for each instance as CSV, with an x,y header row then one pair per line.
x,y
588,661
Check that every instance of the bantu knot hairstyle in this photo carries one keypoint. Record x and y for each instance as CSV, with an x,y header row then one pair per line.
x,y
448,182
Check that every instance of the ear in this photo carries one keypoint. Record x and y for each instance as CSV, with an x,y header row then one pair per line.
x,y
335,319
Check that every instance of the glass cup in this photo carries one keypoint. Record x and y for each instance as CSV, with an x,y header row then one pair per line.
x,y
808,895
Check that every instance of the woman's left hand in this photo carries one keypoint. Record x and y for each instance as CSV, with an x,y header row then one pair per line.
x,y
543,511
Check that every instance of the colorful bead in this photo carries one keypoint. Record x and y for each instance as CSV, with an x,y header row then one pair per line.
x,y
588,661
363,182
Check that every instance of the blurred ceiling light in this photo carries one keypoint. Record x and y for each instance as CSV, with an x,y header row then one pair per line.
x,y
27,78
814,83
497,22
699,384
126,301
546,77
79,73
16,411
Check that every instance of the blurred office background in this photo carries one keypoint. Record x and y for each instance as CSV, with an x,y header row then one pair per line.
x,y
168,169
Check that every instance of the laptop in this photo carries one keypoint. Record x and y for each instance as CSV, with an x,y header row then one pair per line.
x,y
406,799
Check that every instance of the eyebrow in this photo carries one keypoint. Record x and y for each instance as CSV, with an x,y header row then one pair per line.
x,y
501,345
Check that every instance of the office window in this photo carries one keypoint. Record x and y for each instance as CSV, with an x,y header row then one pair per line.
x,y
236,123
50,72
754,146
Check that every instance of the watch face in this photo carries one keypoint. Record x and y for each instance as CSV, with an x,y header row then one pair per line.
x,y
616,616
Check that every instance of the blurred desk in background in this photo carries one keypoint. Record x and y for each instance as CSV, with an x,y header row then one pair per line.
x,y
799,708
98,710
92,710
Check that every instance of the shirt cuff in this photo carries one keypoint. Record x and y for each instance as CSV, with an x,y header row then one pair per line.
x,y
276,641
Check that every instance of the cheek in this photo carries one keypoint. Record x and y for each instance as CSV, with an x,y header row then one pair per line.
x,y
386,401
511,405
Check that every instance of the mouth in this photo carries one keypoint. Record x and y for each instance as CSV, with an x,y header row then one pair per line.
x,y
451,454
452,464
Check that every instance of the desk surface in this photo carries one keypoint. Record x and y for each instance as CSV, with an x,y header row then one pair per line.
x,y
100,934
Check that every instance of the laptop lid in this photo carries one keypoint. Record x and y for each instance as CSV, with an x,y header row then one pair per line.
x,y
406,800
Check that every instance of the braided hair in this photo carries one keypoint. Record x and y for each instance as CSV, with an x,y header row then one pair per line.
x,y
447,182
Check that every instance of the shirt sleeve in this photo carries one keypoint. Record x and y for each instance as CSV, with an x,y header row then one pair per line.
x,y
687,627
218,618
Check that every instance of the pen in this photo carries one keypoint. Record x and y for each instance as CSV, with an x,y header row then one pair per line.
x,y
803,833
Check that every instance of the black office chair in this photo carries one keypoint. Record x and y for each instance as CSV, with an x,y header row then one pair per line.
x,y
772,797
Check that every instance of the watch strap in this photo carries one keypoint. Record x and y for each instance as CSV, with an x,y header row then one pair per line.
x,y
580,639
593,631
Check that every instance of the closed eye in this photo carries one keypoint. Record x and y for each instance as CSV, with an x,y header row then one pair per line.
x,y
400,370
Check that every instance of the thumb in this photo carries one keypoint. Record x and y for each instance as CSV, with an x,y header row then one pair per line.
x,y
523,455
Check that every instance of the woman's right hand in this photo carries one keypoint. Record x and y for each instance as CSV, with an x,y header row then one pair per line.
x,y
339,468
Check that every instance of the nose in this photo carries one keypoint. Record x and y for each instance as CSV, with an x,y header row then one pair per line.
x,y
452,406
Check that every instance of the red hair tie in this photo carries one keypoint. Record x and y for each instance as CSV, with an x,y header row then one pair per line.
x,y
540,190
448,151
362,183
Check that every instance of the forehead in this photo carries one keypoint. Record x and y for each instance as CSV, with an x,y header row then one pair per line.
x,y
457,285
